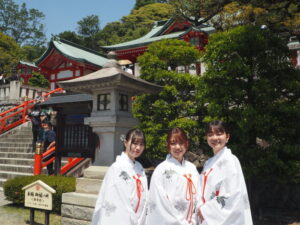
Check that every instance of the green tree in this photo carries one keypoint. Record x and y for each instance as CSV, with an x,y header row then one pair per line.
x,y
32,53
88,30
175,104
198,11
141,3
278,15
11,53
88,26
136,24
71,36
250,83
22,24
38,80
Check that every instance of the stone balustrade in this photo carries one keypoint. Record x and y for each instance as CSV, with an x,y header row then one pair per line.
x,y
15,92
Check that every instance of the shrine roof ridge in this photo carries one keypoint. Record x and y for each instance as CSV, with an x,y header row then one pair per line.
x,y
72,51
156,34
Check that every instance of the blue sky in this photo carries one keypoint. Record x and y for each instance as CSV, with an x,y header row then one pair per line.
x,y
63,15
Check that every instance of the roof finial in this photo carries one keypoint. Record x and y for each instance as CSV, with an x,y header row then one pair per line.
x,y
111,62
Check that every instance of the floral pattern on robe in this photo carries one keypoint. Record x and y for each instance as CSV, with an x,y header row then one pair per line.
x,y
224,197
118,201
172,197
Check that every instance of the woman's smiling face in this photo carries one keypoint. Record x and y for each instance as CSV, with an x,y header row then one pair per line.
x,y
177,149
134,148
217,139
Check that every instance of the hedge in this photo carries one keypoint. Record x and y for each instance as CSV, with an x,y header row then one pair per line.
x,y
13,188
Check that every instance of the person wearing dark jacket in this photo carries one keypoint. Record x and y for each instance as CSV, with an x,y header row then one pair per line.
x,y
49,137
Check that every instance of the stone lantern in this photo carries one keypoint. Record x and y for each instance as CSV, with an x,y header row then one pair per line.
x,y
112,91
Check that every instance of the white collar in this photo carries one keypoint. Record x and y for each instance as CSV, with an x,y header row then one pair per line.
x,y
175,161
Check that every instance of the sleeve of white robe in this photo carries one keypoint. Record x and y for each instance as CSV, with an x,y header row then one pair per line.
x,y
233,190
107,181
113,205
160,209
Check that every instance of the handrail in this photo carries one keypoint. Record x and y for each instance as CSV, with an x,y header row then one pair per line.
x,y
21,111
39,164
70,165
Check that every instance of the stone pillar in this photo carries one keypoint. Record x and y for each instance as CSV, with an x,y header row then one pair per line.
x,y
109,134
15,87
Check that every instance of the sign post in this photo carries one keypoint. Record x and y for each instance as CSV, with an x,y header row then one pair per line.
x,y
38,195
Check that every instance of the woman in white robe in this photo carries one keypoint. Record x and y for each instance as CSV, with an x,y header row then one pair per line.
x,y
224,197
173,189
123,193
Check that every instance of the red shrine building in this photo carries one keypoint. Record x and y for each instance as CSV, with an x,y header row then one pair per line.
x,y
64,60
169,29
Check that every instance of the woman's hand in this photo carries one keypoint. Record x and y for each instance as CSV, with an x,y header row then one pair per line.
x,y
200,216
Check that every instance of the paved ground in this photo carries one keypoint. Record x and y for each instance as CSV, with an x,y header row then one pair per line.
x,y
2,198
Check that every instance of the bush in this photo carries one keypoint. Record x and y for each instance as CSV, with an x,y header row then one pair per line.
x,y
13,188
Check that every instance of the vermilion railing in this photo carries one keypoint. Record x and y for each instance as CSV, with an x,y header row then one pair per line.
x,y
19,113
39,164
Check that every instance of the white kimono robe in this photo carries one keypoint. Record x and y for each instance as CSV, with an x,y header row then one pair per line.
x,y
123,194
224,197
173,193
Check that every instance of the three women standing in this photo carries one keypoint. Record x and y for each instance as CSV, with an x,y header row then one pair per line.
x,y
177,195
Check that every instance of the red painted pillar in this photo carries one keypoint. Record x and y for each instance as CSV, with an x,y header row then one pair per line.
x,y
37,170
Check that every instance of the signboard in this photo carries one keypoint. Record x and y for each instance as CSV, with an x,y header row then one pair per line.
x,y
38,195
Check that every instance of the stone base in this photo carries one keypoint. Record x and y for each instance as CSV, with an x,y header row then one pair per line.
x,y
78,207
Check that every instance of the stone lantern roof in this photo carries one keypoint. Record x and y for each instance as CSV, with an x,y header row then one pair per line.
x,y
110,77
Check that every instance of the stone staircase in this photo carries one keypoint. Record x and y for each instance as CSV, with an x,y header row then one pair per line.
x,y
16,155
78,207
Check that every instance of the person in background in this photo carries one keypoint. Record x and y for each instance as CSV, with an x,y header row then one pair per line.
x,y
2,79
128,69
49,141
123,193
39,98
36,117
224,197
174,185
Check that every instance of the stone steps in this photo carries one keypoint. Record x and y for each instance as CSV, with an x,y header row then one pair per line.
x,y
16,154
16,144
16,161
16,149
22,155
10,174
19,140
78,207
17,168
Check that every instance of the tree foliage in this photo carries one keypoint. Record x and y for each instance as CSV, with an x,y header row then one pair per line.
x,y
136,24
251,84
22,24
38,80
141,3
32,53
175,104
198,11
278,15
10,55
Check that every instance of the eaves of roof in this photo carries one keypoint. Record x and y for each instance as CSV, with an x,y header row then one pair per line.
x,y
154,35
73,51
31,64
66,98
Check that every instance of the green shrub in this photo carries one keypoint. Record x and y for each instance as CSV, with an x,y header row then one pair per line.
x,y
13,188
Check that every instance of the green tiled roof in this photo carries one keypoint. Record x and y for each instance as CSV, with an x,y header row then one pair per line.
x,y
74,52
154,35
